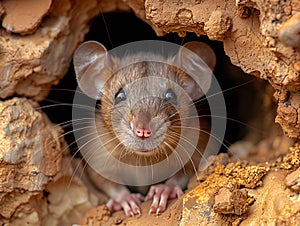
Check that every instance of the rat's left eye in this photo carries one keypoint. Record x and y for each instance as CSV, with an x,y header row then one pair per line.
x,y
170,96
120,96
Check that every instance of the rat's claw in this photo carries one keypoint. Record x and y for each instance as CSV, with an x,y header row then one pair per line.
x,y
177,192
158,211
153,209
129,203
134,207
127,210
163,200
160,194
130,214
113,205
150,193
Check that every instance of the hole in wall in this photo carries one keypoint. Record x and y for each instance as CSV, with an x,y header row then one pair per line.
x,y
114,29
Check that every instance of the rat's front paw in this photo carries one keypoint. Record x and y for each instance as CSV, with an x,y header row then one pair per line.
x,y
160,193
129,203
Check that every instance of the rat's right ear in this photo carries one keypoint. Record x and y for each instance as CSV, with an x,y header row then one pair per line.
x,y
198,59
90,61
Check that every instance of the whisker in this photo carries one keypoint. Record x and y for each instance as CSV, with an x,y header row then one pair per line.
x,y
177,155
206,132
69,145
76,170
105,143
174,114
190,157
224,91
152,169
68,123
72,131
123,152
74,122
78,106
175,134
97,137
65,90
83,137
221,117
81,147
166,153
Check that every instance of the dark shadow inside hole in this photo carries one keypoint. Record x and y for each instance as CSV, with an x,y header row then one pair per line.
x,y
126,27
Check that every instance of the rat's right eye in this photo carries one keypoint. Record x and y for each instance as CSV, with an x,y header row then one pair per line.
x,y
120,96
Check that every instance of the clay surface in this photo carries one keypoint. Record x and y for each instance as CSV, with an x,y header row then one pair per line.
x,y
24,16
230,202
258,37
37,183
257,183
31,64
228,193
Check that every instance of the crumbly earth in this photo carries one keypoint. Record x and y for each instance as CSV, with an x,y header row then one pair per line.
x,y
228,193
256,184
260,37
51,30
37,183
18,20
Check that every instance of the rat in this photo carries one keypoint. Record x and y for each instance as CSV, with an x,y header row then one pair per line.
x,y
144,118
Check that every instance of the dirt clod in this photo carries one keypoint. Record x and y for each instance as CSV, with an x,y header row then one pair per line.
x,y
37,183
292,180
289,32
230,202
292,159
217,25
38,38
24,17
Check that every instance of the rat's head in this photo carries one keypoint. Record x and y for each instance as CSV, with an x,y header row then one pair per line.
x,y
146,103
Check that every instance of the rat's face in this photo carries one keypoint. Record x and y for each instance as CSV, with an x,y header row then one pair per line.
x,y
145,104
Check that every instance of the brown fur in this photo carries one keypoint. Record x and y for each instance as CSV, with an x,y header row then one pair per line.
x,y
145,84
136,157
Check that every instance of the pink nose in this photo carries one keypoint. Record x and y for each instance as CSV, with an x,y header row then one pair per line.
x,y
143,133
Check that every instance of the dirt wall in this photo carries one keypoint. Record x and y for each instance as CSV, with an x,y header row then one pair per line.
x,y
37,40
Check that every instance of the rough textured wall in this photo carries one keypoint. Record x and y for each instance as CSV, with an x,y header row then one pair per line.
x,y
37,183
261,37
228,193
37,40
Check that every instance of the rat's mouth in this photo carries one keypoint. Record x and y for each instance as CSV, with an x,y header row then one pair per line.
x,y
143,150
145,144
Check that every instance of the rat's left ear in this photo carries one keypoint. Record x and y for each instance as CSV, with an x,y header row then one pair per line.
x,y
91,59
198,60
